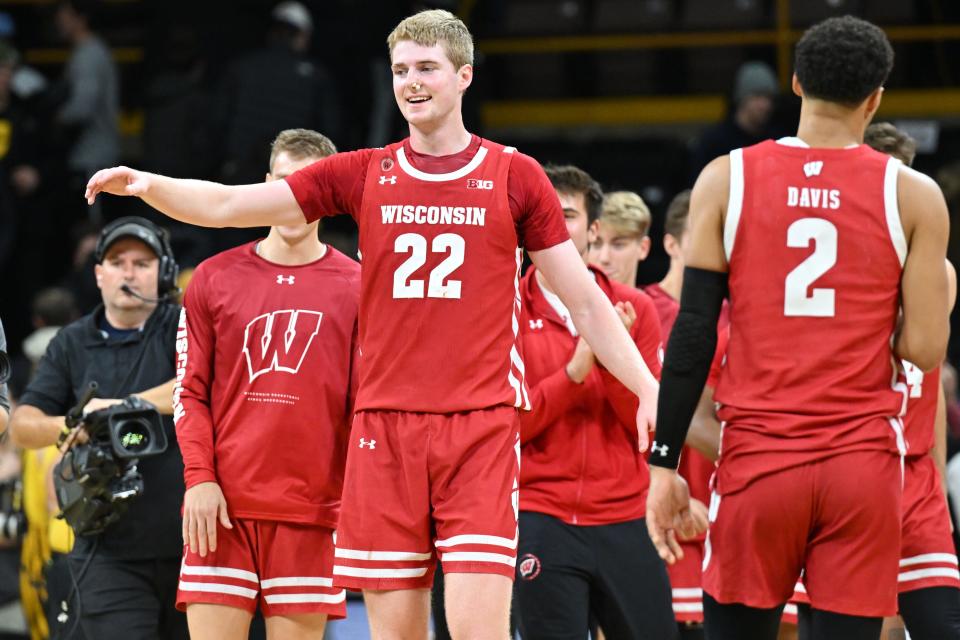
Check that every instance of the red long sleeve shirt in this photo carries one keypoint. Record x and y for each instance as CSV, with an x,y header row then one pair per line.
x,y
265,370
579,456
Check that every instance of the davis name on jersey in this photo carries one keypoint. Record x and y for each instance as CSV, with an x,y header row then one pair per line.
x,y
813,198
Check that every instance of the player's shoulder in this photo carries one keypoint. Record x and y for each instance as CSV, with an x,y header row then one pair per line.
x,y
913,182
920,200
225,259
339,261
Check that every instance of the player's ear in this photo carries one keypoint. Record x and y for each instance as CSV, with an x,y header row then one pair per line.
x,y
795,85
98,274
464,77
873,103
644,248
593,232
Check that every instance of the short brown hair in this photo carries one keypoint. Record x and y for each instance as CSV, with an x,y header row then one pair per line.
x,y
300,144
574,180
627,212
428,28
677,213
886,138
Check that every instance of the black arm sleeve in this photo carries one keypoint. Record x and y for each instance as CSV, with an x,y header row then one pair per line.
x,y
690,350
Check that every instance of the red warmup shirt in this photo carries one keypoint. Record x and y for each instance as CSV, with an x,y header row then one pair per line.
x,y
265,365
439,238
695,467
815,250
921,391
579,456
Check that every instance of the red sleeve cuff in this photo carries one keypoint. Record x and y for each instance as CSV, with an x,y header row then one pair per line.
x,y
193,477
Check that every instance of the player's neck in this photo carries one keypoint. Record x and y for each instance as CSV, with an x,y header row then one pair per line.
x,y
825,125
445,139
672,283
278,250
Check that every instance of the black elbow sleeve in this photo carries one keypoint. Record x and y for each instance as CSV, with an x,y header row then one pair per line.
x,y
690,351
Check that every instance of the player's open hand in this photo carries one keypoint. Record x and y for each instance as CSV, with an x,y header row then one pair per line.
x,y
119,181
203,506
647,415
668,512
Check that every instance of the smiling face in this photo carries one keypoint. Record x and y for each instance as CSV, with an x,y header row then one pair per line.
x,y
427,87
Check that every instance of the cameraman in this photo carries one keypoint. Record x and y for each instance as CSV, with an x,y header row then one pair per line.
x,y
125,578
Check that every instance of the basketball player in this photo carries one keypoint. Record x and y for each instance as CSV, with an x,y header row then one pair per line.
x,y
820,239
583,545
432,467
262,402
621,242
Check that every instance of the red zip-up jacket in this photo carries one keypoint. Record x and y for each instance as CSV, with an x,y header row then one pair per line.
x,y
579,457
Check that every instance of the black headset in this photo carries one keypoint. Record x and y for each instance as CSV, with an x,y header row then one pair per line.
x,y
155,237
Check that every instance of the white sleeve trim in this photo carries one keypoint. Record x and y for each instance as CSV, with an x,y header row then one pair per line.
x,y
735,203
892,209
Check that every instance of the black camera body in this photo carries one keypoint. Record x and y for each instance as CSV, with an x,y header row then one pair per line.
x,y
96,481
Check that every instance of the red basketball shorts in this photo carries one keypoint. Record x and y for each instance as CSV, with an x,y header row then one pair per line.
x,y
927,556
837,519
685,583
422,485
286,567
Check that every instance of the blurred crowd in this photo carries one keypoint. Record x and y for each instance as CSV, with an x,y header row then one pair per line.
x,y
55,131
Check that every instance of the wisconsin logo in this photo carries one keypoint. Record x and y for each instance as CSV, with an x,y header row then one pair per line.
x,y
529,566
279,341
814,168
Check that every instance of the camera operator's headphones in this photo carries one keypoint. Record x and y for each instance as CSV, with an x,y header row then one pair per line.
x,y
155,237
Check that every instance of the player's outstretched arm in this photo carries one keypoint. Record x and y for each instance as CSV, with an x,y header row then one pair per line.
x,y
206,204
598,322
923,334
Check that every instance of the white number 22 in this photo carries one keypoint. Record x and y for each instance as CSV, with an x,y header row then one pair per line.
x,y
416,245
819,303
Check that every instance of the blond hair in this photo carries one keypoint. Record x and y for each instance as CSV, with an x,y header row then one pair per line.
x,y
626,212
434,26
300,144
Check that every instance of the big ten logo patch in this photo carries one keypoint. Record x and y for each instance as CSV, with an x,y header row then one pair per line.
x,y
479,184
528,567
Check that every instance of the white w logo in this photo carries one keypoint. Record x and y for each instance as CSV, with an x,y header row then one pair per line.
x,y
266,351
814,168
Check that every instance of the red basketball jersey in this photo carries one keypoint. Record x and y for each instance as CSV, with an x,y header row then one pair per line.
x,y
439,302
815,250
921,390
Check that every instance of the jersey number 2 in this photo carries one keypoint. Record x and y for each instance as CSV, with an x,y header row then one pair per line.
x,y
416,245
818,303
